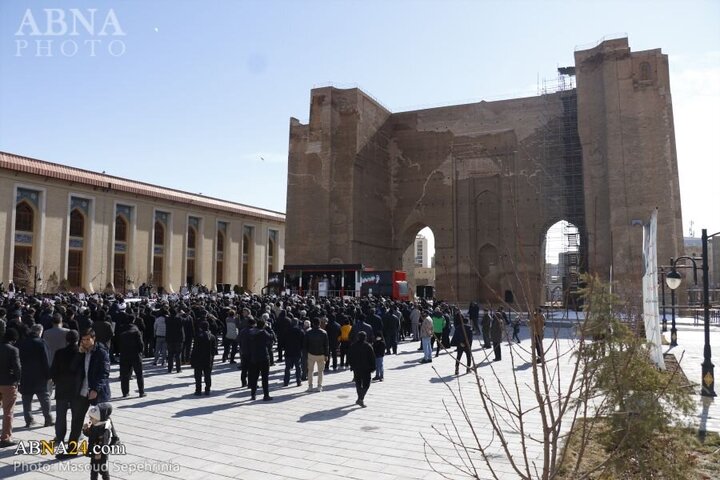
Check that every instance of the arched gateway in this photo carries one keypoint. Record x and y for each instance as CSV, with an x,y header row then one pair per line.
x,y
490,178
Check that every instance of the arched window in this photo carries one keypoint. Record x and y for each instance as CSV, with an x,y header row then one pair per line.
x,y
24,217
246,260
645,71
220,257
159,233
221,242
190,256
77,224
119,263
191,237
75,253
121,229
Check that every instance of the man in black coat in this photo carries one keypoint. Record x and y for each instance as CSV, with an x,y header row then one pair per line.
x,y
293,340
201,357
391,329
474,314
244,343
10,374
259,340
486,322
496,333
35,375
65,372
333,332
175,337
130,345
362,361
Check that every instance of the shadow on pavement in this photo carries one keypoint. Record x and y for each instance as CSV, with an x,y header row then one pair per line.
x,y
324,415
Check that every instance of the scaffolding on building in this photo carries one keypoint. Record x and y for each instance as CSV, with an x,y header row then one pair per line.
x,y
563,190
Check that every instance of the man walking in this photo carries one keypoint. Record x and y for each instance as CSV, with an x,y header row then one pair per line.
x,y
496,333
537,330
130,344
35,375
293,340
10,374
66,374
318,351
175,337
259,342
201,358
426,333
362,361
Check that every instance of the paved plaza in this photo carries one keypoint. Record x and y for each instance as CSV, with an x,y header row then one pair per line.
x,y
321,435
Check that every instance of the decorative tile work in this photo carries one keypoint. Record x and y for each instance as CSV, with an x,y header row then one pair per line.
x,y
124,210
194,222
158,250
162,217
24,238
120,247
31,196
191,253
76,243
82,204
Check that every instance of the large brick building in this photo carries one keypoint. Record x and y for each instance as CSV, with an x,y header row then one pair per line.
x,y
490,178
90,230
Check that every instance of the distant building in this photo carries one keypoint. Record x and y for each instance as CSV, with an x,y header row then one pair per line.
x,y
422,257
89,230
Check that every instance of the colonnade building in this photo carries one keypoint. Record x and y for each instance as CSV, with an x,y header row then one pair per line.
x,y
64,226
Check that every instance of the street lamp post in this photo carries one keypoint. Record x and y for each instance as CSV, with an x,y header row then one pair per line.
x,y
662,289
673,280
708,378
673,330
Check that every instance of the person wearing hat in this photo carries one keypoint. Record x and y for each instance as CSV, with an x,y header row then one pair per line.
x,y
100,433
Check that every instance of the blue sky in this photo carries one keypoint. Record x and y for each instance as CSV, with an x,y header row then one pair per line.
x,y
201,96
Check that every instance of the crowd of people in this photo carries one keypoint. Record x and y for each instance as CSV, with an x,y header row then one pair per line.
x,y
66,344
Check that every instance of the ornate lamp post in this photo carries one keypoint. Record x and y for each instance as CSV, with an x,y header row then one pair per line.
x,y
662,289
673,280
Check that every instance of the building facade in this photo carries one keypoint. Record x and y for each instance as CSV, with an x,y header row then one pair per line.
x,y
71,228
490,178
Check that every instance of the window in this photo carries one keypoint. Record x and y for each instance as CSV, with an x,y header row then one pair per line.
x,y
120,229
220,257
24,217
77,224
119,274
191,237
645,71
159,234
75,261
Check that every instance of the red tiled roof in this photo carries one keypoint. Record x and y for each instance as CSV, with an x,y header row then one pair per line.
x,y
33,166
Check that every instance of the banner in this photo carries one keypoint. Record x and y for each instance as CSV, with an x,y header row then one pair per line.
x,y
650,291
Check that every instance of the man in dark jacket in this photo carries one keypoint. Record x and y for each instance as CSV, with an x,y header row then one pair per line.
x,y
95,385
259,341
474,314
10,374
462,339
486,322
130,345
175,337
391,329
35,375
244,342
103,331
362,360
68,378
293,342
317,346
201,358
496,333
333,332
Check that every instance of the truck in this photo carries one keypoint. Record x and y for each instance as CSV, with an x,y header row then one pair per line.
x,y
338,280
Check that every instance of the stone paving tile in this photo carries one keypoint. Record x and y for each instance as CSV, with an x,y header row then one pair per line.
x,y
300,435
